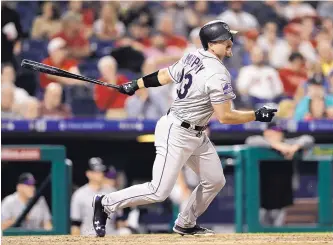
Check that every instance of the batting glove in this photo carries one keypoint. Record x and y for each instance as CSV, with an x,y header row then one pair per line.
x,y
129,88
265,114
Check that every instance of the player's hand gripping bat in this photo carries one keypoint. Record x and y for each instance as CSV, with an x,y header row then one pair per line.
x,y
33,65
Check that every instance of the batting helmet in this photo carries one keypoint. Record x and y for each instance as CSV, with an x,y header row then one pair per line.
x,y
216,30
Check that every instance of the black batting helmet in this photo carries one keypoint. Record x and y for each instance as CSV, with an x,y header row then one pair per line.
x,y
216,30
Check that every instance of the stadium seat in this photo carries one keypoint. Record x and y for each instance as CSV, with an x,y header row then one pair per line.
x,y
129,74
89,68
27,11
34,49
101,48
84,107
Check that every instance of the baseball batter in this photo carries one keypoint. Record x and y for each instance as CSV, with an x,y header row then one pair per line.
x,y
203,87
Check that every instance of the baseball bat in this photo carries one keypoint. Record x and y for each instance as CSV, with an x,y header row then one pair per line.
x,y
33,65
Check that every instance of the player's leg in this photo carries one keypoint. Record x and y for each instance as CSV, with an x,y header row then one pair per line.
x,y
172,151
206,163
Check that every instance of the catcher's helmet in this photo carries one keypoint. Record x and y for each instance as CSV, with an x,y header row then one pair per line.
x,y
216,30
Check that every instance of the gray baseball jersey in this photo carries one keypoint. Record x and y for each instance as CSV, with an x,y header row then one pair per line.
x,y
202,80
81,209
12,207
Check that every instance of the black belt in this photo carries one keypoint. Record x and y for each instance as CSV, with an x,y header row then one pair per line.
x,y
187,125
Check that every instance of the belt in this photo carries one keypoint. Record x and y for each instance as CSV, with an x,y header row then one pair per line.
x,y
188,125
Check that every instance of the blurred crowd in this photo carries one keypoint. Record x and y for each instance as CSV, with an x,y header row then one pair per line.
x,y
283,55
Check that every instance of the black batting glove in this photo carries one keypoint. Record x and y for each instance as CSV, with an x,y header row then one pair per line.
x,y
129,88
265,114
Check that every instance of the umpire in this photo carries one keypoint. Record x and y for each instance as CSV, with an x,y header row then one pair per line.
x,y
81,211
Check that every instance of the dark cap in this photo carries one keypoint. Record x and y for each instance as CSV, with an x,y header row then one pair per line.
x,y
274,126
111,173
26,179
96,164
317,79
296,55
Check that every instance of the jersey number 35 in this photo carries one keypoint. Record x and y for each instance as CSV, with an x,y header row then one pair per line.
x,y
186,82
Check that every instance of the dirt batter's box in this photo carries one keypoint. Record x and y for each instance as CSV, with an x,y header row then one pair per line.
x,y
60,179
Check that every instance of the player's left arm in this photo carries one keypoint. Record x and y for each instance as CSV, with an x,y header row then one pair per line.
x,y
221,94
155,79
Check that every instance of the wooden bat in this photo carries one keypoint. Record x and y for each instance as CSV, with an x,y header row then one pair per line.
x,y
33,65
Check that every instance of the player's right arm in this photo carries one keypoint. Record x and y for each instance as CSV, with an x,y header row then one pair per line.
x,y
159,78
221,93
155,79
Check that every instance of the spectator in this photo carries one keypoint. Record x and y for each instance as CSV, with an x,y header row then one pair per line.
x,y
47,24
51,107
325,9
317,83
165,26
317,110
160,53
297,9
259,81
8,111
269,39
276,177
149,103
108,27
241,53
308,25
31,110
8,76
279,54
294,74
109,99
327,27
197,14
86,14
173,10
58,57
11,34
140,106
81,212
77,43
237,18
330,81
137,11
286,109
13,205
315,90
325,51
195,41
137,37
267,11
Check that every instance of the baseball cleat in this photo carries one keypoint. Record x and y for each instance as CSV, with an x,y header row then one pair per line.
x,y
100,217
195,231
